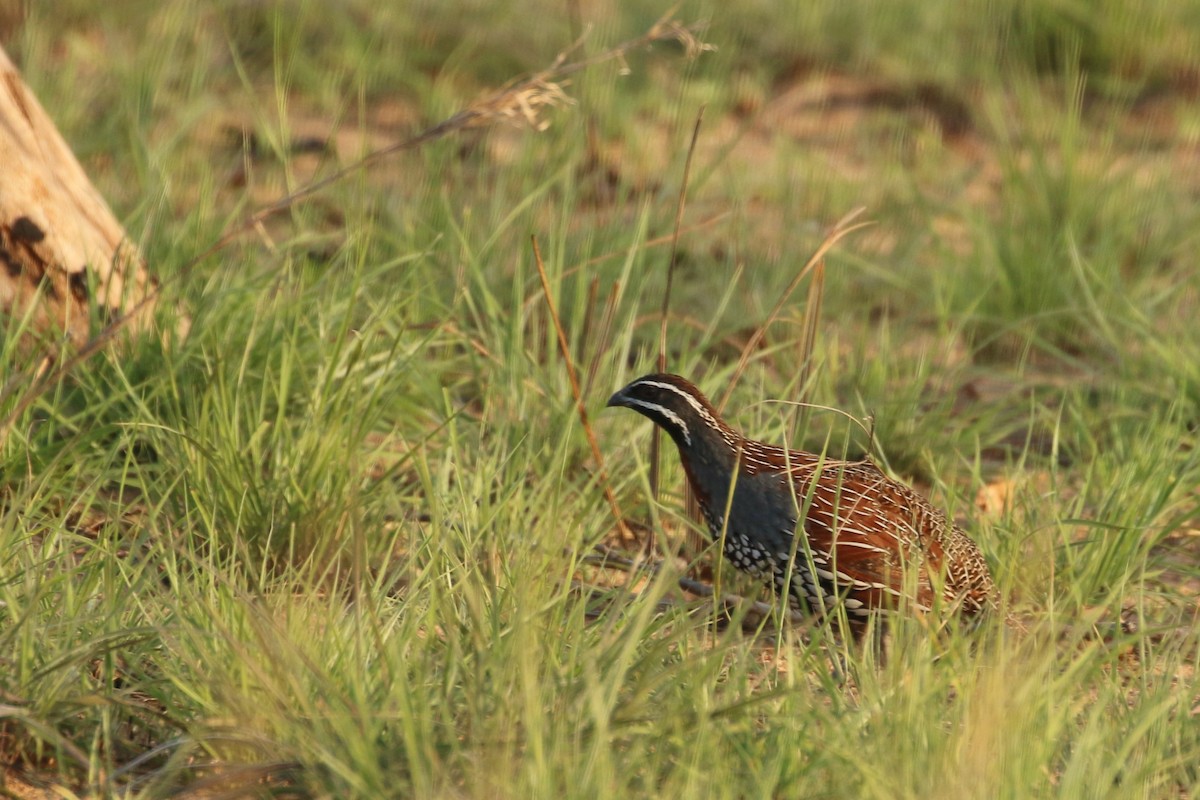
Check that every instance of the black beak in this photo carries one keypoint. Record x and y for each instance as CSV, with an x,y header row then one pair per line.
x,y
617,399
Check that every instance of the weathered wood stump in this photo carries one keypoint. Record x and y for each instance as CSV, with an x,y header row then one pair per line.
x,y
64,258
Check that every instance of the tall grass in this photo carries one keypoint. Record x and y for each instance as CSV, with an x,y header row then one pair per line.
x,y
335,543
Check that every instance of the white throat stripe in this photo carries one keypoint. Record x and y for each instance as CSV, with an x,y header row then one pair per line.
x,y
667,413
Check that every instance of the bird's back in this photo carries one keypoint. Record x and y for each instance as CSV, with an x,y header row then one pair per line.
x,y
867,537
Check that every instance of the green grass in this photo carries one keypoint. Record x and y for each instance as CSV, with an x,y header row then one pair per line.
x,y
333,543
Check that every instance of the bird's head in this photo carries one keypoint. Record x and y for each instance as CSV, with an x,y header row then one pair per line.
x,y
674,404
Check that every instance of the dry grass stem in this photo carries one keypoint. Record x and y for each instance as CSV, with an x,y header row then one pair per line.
x,y
754,610
602,472
655,436
679,208
840,230
519,100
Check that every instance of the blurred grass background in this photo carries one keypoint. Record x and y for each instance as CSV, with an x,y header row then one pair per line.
x,y
334,543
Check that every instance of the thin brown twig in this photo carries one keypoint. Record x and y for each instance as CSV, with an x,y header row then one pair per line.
x,y
657,241
575,18
840,230
812,318
607,558
585,327
606,323
516,99
808,340
666,238
679,207
863,423
655,438
751,619
564,348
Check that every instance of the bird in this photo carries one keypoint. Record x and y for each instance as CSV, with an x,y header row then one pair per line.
x,y
869,543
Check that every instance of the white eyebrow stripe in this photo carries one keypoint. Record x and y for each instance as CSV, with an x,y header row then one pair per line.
x,y
691,400
666,412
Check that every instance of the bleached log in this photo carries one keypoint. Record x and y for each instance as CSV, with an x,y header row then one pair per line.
x,y
65,260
